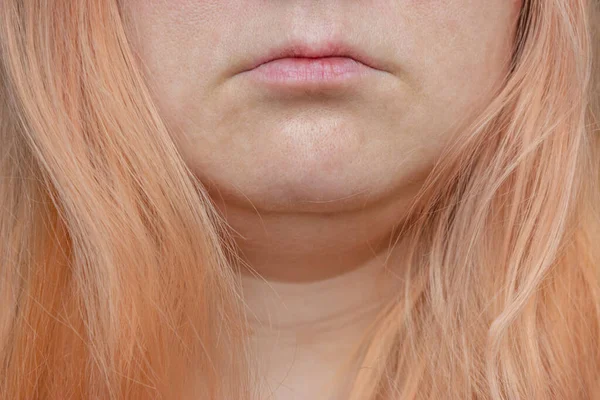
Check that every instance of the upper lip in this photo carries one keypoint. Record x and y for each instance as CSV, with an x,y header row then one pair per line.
x,y
300,48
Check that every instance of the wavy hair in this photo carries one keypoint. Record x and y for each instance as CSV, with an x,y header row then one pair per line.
x,y
118,277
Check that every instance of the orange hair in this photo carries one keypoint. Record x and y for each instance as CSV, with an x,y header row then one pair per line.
x,y
118,276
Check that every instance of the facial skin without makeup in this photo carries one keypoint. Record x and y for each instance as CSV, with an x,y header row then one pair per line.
x,y
314,181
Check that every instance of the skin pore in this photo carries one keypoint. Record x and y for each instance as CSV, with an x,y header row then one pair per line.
x,y
314,182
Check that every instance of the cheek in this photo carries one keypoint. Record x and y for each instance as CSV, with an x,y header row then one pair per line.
x,y
459,58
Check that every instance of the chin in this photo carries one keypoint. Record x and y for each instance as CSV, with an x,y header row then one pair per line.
x,y
324,194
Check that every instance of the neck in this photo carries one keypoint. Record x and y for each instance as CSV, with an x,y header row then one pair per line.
x,y
306,332
315,282
316,306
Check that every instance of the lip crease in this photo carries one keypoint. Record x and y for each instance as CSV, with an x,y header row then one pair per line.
x,y
321,50
304,70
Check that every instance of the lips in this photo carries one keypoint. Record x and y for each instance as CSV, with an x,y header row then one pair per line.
x,y
317,50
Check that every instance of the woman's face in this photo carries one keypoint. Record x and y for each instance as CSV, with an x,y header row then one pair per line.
x,y
328,145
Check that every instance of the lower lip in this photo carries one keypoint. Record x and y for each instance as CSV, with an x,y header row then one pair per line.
x,y
309,72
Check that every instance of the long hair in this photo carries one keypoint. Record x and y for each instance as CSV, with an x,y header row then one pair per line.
x,y
118,277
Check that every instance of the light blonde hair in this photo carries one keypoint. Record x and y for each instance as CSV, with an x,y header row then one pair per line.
x,y
118,277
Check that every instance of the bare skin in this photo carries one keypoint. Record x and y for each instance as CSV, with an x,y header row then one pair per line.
x,y
315,181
